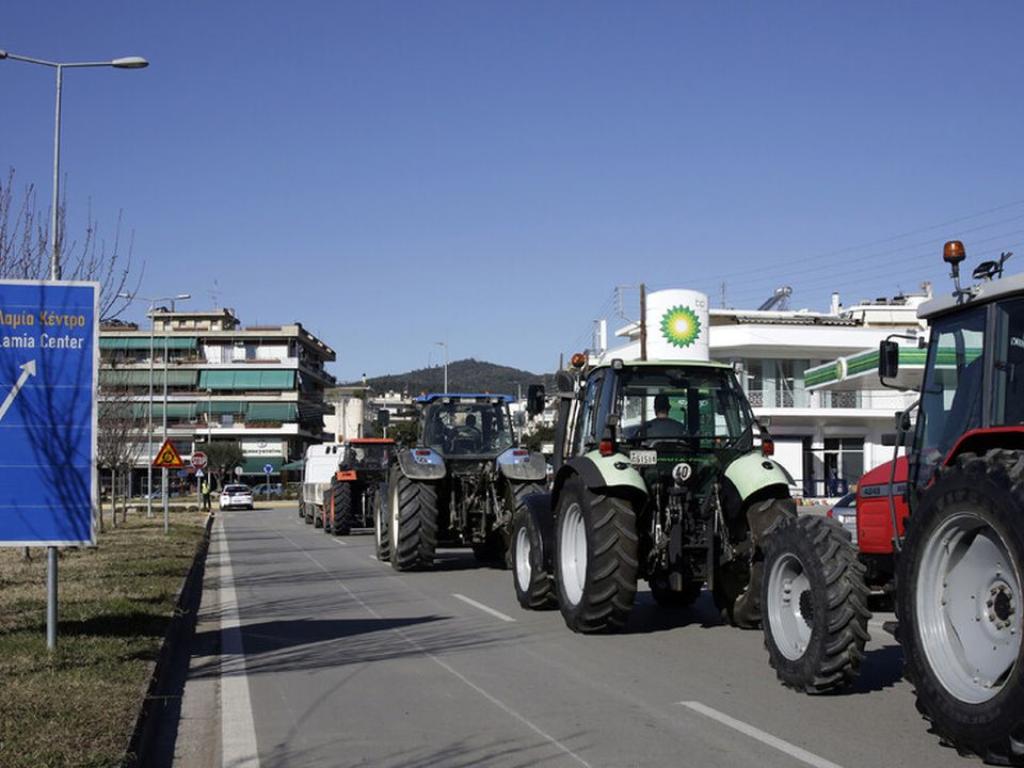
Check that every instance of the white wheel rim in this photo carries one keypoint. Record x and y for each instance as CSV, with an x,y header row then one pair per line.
x,y
572,553
394,524
378,524
967,599
789,599
524,572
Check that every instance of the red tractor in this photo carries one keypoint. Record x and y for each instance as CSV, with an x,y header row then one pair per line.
x,y
960,567
875,520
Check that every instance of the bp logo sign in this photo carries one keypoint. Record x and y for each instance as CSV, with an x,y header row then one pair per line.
x,y
680,326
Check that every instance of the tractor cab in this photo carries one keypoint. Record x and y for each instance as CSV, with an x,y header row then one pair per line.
x,y
972,391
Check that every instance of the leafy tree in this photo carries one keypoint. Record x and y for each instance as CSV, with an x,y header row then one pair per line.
x,y
222,457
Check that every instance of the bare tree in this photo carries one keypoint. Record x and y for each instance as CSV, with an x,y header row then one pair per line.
x,y
25,248
117,442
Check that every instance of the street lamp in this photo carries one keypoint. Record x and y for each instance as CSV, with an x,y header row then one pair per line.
x,y
129,62
126,62
149,433
445,345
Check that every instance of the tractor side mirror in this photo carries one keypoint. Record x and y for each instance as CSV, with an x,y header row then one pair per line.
x,y
888,360
904,439
535,399
383,417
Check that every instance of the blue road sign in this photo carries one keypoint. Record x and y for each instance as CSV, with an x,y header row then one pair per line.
x,y
268,468
49,359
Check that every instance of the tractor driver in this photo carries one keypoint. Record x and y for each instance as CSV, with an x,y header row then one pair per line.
x,y
662,425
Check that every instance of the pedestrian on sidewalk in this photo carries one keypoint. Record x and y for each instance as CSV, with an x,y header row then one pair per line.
x,y
205,490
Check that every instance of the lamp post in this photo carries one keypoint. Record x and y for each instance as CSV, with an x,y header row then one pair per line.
x,y
126,62
149,431
445,345
129,62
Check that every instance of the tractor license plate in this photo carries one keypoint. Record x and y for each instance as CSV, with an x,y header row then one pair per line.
x,y
643,458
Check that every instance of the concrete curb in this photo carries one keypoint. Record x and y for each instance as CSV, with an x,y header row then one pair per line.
x,y
183,623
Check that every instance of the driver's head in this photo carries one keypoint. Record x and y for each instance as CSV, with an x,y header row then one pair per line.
x,y
470,420
661,406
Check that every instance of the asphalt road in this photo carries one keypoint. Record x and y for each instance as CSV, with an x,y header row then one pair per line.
x,y
311,653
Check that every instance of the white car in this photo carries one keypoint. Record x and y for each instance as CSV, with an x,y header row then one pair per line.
x,y
236,496
845,511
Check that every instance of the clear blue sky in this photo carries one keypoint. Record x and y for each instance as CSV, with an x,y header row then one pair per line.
x,y
396,173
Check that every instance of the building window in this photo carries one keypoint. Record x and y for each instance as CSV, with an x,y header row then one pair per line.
x,y
777,383
844,464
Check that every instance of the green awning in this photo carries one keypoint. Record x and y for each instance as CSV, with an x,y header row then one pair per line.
x,y
247,380
114,377
143,342
220,407
253,465
174,410
272,412
291,465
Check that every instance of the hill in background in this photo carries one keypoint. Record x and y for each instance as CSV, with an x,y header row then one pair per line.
x,y
463,376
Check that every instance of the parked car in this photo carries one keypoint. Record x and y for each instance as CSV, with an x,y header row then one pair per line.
x,y
236,496
845,512
268,490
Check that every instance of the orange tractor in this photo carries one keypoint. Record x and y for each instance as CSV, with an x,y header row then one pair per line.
x,y
349,502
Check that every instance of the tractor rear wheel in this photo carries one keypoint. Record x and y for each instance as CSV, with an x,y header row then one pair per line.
x,y
813,603
596,559
959,604
413,525
342,493
381,533
535,587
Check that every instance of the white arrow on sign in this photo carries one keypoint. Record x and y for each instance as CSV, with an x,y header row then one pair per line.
x,y
28,369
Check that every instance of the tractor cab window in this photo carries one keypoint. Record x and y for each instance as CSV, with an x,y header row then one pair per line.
x,y
1008,365
586,429
702,407
951,394
468,427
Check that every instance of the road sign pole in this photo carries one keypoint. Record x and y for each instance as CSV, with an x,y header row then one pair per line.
x,y
51,598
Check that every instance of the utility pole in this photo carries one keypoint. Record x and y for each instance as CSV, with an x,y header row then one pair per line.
x,y
643,321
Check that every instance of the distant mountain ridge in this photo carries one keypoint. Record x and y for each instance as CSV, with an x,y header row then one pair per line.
x,y
463,376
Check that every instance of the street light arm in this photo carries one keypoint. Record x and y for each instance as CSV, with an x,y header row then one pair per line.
x,y
27,59
123,62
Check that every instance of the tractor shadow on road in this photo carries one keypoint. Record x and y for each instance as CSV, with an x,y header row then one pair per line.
x,y
293,644
648,617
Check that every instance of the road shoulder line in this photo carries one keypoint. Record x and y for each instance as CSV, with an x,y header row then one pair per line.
x,y
238,730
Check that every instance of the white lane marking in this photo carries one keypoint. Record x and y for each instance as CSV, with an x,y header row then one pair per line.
x,y
373,557
340,543
238,746
443,664
765,738
482,607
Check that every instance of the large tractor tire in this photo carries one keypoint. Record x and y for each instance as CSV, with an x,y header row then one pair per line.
x,y
596,559
960,605
666,597
413,524
535,586
814,604
343,518
382,534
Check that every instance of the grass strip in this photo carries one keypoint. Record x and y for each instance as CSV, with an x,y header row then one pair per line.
x,y
78,705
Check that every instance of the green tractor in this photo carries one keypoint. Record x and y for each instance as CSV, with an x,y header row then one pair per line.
x,y
663,474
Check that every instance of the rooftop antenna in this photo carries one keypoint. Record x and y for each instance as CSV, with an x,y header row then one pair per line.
x,y
214,294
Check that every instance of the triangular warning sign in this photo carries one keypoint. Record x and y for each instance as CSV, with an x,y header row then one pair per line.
x,y
168,457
